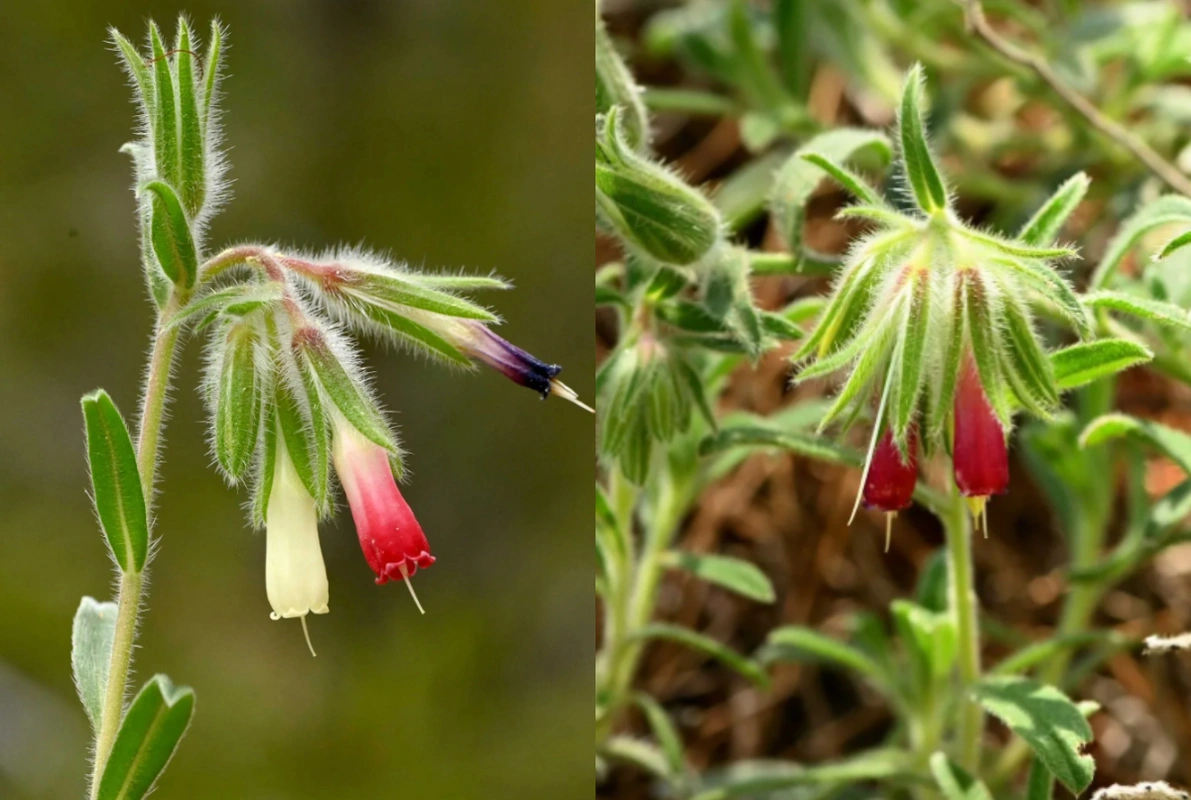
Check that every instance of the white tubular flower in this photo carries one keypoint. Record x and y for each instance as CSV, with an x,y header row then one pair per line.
x,y
295,576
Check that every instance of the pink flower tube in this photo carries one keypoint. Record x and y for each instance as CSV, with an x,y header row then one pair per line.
x,y
390,536
979,454
889,484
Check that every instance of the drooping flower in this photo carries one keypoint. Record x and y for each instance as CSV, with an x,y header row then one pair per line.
x,y
295,576
889,483
476,340
979,453
390,536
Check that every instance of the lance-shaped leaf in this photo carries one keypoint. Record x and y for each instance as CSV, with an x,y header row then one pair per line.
x,y
91,653
798,644
1175,444
955,782
192,183
343,389
1175,244
922,172
240,392
1044,226
1165,210
170,235
116,482
664,731
762,778
731,573
1047,720
149,734
798,178
165,118
1083,363
1156,311
761,437
708,646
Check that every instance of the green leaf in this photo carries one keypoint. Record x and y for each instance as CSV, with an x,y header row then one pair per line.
x,y
664,732
640,754
1044,226
798,178
791,18
733,574
1052,289
922,172
799,644
116,482
170,235
1165,210
165,118
930,636
1047,720
237,300
238,398
1083,363
955,782
1145,308
760,778
708,646
192,183
91,653
757,436
1175,444
152,728
855,185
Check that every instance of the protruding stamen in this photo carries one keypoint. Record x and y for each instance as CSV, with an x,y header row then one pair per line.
x,y
872,446
410,586
889,518
306,632
559,388
979,508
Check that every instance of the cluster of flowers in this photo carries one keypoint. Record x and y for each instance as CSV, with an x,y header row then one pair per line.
x,y
287,396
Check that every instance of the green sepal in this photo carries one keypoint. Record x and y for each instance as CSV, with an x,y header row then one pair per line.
x,y
192,179
1044,226
1051,290
266,468
344,391
870,366
165,117
615,87
394,291
922,173
939,410
1023,362
983,326
306,443
798,178
910,357
116,487
149,734
412,333
136,67
170,234
211,66
238,300
239,396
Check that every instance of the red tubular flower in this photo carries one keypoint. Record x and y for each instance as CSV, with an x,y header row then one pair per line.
x,y
980,457
889,484
389,533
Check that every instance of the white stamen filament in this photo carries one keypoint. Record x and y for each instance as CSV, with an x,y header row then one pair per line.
x,y
306,632
410,586
567,393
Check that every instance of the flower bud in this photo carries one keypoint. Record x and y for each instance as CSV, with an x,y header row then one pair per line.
x,y
648,207
295,576
979,453
889,483
390,536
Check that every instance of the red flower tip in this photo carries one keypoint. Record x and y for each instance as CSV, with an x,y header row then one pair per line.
x,y
390,536
889,483
980,456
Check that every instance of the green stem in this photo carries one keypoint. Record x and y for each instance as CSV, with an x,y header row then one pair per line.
x,y
132,584
967,627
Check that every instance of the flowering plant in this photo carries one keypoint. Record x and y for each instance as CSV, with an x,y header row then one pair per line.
x,y
290,405
949,351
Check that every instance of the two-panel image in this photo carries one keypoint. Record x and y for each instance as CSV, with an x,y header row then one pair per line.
x,y
879,406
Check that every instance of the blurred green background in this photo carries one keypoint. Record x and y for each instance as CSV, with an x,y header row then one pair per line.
x,y
455,133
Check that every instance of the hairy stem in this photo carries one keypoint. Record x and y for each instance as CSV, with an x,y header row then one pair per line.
x,y
132,584
979,25
967,627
